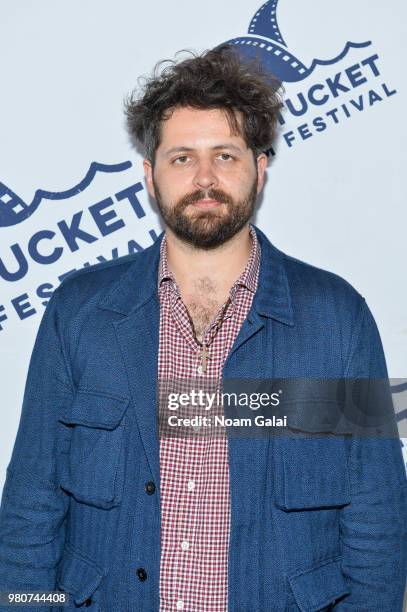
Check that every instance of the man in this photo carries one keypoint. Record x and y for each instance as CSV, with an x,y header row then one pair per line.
x,y
96,502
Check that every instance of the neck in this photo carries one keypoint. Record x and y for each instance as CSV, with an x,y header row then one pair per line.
x,y
221,265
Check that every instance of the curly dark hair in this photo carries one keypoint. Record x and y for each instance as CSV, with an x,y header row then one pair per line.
x,y
218,78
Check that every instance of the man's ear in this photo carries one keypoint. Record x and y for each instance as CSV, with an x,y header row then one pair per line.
x,y
148,172
261,162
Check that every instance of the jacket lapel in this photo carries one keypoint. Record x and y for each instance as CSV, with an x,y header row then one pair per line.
x,y
272,300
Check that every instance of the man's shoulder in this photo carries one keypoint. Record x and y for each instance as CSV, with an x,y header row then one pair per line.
x,y
318,286
84,288
307,283
98,275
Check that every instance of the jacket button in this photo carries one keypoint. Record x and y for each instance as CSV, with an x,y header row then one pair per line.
x,y
150,487
141,573
88,602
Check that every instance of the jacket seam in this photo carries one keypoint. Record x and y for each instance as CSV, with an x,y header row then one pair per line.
x,y
355,335
67,364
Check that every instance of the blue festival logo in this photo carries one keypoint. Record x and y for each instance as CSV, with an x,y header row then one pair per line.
x,y
14,210
335,97
264,40
68,231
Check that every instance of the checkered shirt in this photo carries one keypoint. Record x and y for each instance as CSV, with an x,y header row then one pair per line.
x,y
194,469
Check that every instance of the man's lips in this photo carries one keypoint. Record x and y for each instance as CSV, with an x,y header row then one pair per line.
x,y
207,203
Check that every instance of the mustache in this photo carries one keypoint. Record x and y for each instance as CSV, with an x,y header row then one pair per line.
x,y
200,194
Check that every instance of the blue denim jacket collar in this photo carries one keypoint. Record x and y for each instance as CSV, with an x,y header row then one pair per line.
x,y
139,283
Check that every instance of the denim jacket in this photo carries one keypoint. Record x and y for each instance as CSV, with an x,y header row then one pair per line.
x,y
317,524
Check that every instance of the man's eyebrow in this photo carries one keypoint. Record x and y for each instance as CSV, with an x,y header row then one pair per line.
x,y
215,148
228,146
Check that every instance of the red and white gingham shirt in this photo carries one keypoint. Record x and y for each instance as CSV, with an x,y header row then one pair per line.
x,y
194,470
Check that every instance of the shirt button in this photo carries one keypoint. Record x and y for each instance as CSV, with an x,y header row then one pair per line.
x,y
199,369
191,485
141,573
185,545
196,428
180,604
149,487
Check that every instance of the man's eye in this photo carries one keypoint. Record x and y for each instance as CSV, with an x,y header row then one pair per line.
x,y
226,155
181,159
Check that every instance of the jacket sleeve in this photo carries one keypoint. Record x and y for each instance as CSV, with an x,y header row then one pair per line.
x,y
373,525
33,507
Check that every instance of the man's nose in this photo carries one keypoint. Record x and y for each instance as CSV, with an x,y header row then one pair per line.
x,y
205,176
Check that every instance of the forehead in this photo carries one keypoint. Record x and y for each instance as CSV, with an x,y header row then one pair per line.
x,y
191,126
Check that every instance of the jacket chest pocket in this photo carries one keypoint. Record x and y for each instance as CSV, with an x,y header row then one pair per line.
x,y
93,470
311,465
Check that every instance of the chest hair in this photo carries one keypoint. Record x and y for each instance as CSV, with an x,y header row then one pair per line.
x,y
203,302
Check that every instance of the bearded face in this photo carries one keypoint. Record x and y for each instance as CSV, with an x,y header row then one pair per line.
x,y
204,177
207,226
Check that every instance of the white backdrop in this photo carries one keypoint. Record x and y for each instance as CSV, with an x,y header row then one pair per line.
x,y
332,198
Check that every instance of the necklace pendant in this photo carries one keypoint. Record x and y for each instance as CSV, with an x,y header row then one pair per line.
x,y
203,356
202,366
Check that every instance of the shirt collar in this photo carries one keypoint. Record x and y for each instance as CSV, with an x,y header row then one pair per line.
x,y
164,272
248,277
135,289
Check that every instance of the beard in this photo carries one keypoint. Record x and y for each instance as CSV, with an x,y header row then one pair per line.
x,y
207,229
